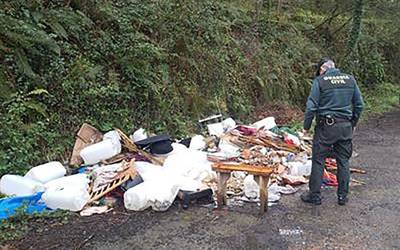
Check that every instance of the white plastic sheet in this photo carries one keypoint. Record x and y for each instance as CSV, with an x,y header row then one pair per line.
x,y
228,124
266,123
216,129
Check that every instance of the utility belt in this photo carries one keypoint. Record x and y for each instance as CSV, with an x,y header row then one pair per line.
x,y
330,120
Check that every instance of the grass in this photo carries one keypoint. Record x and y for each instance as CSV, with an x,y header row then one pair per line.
x,y
379,101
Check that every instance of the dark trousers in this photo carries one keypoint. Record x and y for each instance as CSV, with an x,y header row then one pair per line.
x,y
334,141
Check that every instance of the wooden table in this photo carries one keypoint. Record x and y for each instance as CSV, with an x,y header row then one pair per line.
x,y
261,175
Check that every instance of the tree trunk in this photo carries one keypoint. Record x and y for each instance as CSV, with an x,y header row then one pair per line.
x,y
279,6
318,4
258,8
356,27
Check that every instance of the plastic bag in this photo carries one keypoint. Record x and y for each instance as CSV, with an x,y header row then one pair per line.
x,y
193,164
159,194
298,168
216,129
251,188
228,124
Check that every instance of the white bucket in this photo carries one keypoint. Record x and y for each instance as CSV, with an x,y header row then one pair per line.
x,y
19,185
103,150
76,180
46,172
139,135
71,198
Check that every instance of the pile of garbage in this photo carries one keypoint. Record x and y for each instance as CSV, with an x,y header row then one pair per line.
x,y
153,171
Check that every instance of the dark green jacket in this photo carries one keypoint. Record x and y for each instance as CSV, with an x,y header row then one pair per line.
x,y
334,93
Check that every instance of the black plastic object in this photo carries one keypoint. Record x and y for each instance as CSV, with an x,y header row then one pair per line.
x,y
186,142
131,183
204,196
159,144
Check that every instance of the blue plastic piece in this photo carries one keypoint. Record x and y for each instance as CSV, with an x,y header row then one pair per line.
x,y
32,204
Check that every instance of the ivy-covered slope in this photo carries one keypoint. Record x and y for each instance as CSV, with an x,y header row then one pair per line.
x,y
164,64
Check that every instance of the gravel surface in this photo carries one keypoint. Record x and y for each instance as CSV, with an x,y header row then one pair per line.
x,y
371,220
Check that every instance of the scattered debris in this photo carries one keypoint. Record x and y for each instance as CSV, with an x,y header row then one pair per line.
x,y
240,163
87,211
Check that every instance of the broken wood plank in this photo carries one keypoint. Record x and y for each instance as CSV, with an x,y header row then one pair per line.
x,y
333,166
251,169
131,146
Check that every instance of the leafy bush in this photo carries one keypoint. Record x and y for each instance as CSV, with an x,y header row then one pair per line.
x,y
160,65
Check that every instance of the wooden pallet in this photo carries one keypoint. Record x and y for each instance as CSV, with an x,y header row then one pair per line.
x,y
127,174
131,146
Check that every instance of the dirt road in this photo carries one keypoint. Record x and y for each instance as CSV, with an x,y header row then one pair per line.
x,y
370,220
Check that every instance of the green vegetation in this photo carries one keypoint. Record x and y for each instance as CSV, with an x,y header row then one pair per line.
x,y
17,226
164,64
381,100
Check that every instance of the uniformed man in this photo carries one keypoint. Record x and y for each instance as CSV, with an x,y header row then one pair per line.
x,y
335,100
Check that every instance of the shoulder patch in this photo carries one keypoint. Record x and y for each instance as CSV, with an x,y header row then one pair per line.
x,y
335,81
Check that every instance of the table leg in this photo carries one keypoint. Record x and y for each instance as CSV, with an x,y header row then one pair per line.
x,y
263,183
221,195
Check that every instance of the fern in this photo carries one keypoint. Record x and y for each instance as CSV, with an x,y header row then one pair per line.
x,y
22,62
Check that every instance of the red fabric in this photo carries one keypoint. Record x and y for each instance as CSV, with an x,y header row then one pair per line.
x,y
330,162
289,141
244,130
329,179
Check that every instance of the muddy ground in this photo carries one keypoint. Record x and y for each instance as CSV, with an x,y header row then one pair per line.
x,y
370,220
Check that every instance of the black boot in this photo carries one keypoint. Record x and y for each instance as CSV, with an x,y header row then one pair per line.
x,y
311,198
342,200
